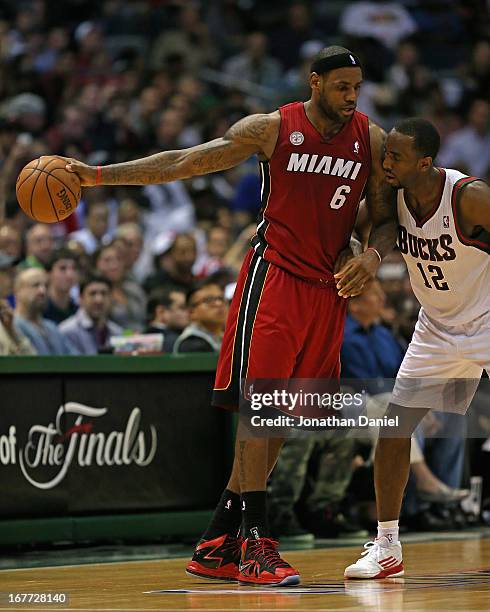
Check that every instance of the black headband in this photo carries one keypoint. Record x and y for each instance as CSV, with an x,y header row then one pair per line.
x,y
342,60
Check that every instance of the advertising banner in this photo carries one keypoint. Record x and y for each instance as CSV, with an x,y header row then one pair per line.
x,y
80,444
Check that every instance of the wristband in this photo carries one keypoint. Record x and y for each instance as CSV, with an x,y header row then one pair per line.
x,y
376,251
98,176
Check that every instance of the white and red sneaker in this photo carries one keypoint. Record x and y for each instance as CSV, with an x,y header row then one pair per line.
x,y
381,559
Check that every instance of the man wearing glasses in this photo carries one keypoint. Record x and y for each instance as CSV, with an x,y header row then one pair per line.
x,y
207,314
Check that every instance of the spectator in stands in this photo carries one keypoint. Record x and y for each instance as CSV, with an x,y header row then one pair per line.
x,y
144,113
31,292
7,276
207,314
128,211
95,234
39,246
410,81
167,315
12,340
70,134
311,482
468,149
28,110
10,241
174,265
439,478
128,298
169,128
477,73
373,29
90,329
254,65
131,239
84,260
217,245
189,45
386,22
296,80
63,276
369,350
407,58
170,209
287,40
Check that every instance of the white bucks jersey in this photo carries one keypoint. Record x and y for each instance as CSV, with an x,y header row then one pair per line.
x,y
449,272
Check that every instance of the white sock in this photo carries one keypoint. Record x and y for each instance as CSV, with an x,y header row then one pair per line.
x,y
388,530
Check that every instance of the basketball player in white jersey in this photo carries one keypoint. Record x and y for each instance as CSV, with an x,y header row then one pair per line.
x,y
444,236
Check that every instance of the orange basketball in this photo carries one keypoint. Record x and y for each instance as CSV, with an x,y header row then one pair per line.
x,y
46,191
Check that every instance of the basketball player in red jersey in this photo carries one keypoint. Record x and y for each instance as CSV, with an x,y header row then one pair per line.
x,y
286,320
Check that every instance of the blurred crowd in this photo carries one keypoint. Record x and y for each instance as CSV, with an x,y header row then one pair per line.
x,y
113,80
118,79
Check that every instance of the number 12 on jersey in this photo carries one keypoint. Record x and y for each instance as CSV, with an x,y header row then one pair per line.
x,y
437,276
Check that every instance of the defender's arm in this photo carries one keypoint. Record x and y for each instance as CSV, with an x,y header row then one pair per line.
x,y
380,198
381,204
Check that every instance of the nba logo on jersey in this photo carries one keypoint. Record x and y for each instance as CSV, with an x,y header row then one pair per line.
x,y
356,147
296,138
445,221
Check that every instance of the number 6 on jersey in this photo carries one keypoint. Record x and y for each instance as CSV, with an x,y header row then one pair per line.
x,y
339,198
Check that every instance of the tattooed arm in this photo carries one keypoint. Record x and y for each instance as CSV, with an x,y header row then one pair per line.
x,y
381,204
256,134
380,198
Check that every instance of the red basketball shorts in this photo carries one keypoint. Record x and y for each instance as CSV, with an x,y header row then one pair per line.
x,y
278,327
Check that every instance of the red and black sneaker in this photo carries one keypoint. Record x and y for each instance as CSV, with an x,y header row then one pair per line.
x,y
217,559
261,564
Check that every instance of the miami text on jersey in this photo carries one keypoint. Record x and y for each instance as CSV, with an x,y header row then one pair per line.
x,y
324,163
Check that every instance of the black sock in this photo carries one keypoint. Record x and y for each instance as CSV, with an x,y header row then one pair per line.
x,y
254,511
227,517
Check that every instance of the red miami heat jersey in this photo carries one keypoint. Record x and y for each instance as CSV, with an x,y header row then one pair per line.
x,y
310,194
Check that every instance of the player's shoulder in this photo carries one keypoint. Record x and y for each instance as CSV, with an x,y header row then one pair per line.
x,y
376,132
267,119
476,187
377,140
257,128
467,185
474,194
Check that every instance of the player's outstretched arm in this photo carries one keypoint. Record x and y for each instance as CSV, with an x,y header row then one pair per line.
x,y
381,204
474,208
253,134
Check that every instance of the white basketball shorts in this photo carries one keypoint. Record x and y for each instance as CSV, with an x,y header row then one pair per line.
x,y
443,365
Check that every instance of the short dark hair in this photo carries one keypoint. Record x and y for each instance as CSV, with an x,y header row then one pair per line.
x,y
426,138
94,278
207,282
185,235
161,296
58,255
98,252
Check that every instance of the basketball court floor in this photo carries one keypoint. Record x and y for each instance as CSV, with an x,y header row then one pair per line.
x,y
448,573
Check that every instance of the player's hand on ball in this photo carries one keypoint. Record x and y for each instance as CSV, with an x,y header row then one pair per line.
x,y
356,273
86,174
